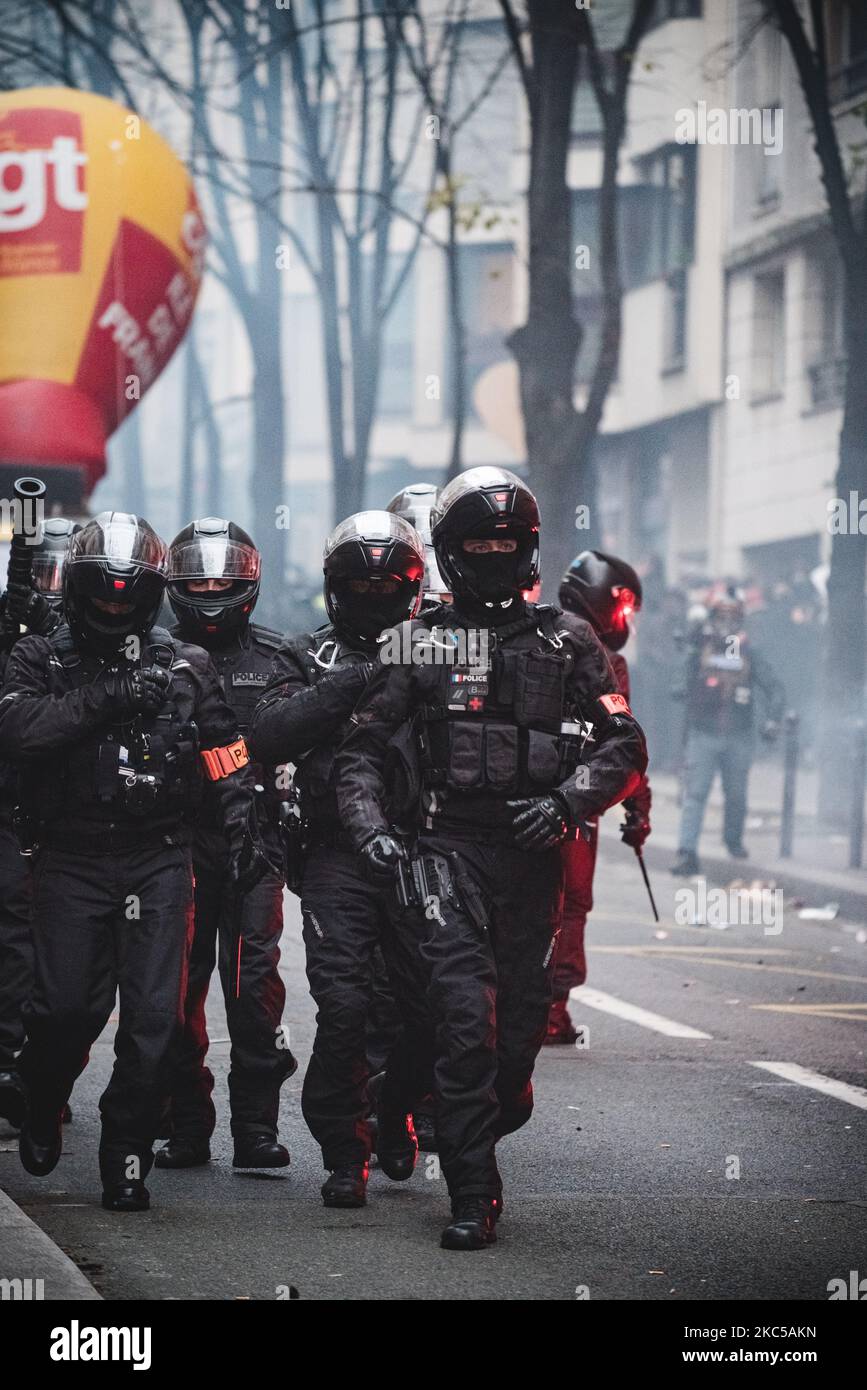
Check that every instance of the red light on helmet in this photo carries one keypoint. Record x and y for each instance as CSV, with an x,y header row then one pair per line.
x,y
120,583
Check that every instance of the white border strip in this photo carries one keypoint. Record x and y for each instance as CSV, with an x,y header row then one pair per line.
x,y
802,1076
610,1004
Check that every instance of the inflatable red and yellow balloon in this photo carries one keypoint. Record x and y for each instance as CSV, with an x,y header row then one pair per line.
x,y
101,252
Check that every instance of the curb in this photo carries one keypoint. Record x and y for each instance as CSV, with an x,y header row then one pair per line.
x,y
28,1254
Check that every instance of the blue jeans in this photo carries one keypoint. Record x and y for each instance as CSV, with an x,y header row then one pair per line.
x,y
732,754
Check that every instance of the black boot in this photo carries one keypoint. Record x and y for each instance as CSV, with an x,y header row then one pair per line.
x,y
129,1195
346,1187
396,1146
686,864
425,1128
13,1097
183,1153
40,1144
260,1151
473,1224
737,850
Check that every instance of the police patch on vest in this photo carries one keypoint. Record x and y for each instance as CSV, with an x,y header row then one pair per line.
x,y
468,690
249,678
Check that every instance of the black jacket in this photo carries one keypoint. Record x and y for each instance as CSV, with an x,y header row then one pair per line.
x,y
54,722
304,712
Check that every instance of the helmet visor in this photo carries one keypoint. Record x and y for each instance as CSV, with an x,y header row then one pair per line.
x,y
214,557
46,572
120,541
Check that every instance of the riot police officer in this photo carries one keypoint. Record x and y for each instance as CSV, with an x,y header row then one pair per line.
x,y
35,609
112,724
214,577
373,566
497,703
606,591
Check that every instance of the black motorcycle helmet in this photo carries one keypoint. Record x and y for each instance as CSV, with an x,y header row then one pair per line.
x,y
373,565
415,504
115,559
48,558
487,503
604,590
213,548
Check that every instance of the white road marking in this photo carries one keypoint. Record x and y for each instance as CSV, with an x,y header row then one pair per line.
x,y
839,1090
610,1004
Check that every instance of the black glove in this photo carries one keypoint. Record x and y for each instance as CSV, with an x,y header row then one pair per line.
x,y
381,855
248,865
26,608
137,690
635,829
539,822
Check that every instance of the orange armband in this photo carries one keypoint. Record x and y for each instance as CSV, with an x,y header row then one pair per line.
x,y
222,762
615,704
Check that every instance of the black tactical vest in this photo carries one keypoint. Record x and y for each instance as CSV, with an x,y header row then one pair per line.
x,y
507,727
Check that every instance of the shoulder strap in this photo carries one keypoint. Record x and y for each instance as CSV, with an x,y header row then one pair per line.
x,y
267,637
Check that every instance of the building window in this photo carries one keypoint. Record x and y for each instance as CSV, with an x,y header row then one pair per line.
x,y
827,371
667,211
674,9
769,336
768,168
674,321
854,48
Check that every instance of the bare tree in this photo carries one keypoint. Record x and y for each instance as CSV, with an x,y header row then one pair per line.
x,y
560,436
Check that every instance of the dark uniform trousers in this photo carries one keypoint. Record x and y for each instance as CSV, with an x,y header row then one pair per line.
x,y
106,924
16,947
245,941
346,918
487,992
570,960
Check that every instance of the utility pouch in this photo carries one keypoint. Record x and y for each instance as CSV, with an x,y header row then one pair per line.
x,y
107,772
466,767
502,755
543,758
469,894
540,683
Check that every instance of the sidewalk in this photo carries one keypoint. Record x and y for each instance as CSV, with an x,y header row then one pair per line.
x,y
32,1267
818,870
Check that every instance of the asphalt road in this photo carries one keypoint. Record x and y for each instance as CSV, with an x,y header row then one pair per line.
x,y
656,1166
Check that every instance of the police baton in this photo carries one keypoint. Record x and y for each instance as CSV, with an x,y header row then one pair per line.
x,y
641,864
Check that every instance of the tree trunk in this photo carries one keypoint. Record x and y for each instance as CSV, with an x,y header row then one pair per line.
x,y
546,347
